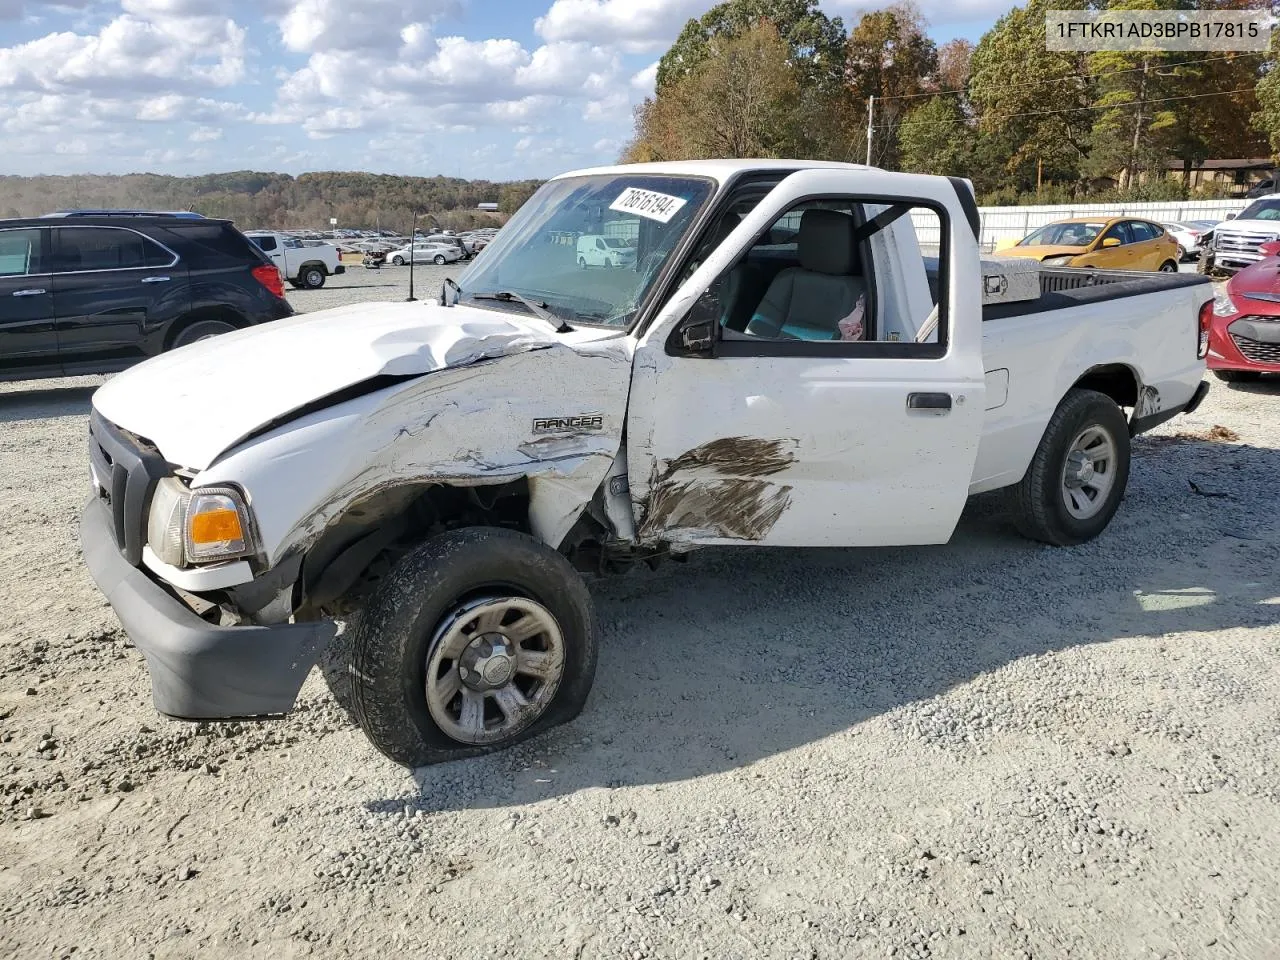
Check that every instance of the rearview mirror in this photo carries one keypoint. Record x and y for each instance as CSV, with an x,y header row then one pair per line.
x,y
1111,242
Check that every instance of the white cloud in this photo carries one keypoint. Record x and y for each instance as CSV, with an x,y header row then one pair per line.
x,y
205,135
646,80
633,25
309,26
128,54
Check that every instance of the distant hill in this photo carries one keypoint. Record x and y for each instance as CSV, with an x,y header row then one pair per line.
x,y
276,200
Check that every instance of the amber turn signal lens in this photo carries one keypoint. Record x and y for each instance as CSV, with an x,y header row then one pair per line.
x,y
216,526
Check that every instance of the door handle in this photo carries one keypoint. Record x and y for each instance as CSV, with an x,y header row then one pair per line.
x,y
155,279
931,402
29,293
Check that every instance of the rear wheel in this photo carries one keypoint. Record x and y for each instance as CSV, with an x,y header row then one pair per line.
x,y
312,278
1238,376
201,330
1168,267
582,263
1078,475
1182,253
479,639
439,260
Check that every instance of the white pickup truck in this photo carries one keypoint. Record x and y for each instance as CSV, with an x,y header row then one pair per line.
x,y
305,265
798,355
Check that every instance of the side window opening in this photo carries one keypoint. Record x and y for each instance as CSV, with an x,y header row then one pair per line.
x,y
839,270
105,248
19,252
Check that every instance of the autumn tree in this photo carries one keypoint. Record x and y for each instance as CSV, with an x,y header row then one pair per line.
x,y
740,100
1032,104
815,42
889,57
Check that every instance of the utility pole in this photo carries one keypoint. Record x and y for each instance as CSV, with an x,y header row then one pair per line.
x,y
871,109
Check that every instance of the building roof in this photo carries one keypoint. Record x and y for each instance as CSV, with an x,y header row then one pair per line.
x,y
1257,163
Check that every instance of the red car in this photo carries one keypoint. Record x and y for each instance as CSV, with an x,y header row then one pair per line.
x,y
1244,335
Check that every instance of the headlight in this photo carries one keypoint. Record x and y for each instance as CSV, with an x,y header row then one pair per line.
x,y
1223,305
198,526
1058,261
164,525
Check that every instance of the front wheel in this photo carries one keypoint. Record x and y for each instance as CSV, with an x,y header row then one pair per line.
x,y
1168,267
477,640
398,261
1182,253
1078,475
439,260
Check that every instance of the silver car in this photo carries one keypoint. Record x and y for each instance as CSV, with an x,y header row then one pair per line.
x,y
437,253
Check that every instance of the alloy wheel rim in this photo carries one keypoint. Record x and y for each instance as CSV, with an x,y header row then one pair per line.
x,y
1089,473
493,668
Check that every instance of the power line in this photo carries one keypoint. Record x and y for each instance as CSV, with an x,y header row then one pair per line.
x,y
1053,113
1039,83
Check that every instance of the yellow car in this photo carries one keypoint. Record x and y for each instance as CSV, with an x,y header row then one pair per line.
x,y
1117,243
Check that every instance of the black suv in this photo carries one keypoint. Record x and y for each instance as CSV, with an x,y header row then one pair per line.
x,y
97,293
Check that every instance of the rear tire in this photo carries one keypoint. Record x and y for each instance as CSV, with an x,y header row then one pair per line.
x,y
1182,253
201,330
582,263
1053,503
1169,266
439,260
1237,376
313,278
418,614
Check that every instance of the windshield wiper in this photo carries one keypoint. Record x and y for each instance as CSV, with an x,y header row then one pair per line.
x,y
535,307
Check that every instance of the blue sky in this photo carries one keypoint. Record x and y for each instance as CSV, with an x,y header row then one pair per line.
x,y
502,89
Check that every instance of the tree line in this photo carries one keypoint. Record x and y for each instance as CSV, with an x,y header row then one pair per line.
x,y
779,78
274,200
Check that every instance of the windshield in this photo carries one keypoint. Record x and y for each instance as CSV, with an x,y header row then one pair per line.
x,y
537,254
1261,210
1063,235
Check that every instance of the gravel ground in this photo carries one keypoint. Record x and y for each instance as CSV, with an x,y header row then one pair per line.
x,y
987,749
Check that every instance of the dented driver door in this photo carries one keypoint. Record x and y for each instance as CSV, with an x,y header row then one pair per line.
x,y
751,436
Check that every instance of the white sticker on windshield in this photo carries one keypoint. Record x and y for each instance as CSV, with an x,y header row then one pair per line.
x,y
648,204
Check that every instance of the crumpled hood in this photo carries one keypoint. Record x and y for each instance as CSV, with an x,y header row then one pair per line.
x,y
197,402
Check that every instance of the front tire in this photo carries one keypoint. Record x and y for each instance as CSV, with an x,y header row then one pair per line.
x,y
1078,475
398,261
1182,253
477,640
439,260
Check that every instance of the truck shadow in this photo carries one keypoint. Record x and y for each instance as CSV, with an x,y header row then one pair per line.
x,y
741,655
45,403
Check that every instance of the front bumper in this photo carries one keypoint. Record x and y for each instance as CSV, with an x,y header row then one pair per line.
x,y
199,671
1246,341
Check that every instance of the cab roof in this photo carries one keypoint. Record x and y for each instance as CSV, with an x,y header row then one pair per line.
x,y
718,170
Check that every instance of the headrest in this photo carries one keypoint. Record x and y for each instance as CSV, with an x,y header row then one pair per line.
x,y
826,242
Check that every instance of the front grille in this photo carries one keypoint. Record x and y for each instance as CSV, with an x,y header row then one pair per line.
x,y
128,471
1256,350
1240,248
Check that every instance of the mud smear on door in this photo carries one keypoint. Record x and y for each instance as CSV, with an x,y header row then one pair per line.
x,y
737,507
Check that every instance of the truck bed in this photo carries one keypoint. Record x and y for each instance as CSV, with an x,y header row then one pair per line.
x,y
1133,335
1063,287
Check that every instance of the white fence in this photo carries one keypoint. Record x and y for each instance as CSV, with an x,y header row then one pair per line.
x,y
1003,224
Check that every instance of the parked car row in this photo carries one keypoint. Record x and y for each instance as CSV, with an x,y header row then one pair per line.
x,y
1107,243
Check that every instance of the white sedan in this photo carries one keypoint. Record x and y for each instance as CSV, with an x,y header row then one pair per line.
x,y
1188,237
438,253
